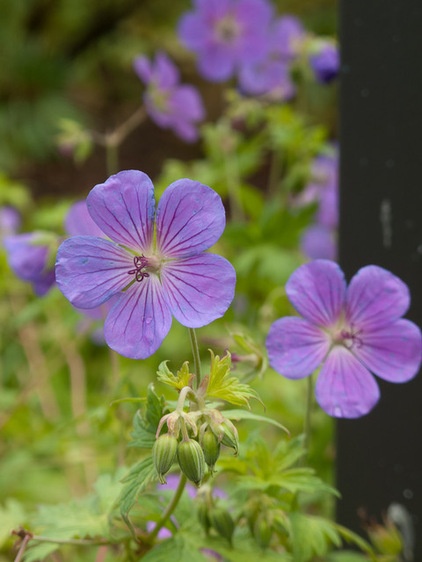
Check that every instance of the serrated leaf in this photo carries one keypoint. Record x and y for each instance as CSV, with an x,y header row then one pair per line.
x,y
221,385
311,536
177,549
248,415
145,424
182,378
134,483
352,538
12,516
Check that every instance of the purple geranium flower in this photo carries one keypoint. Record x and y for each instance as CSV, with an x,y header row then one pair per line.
x,y
225,34
28,256
349,331
169,104
154,277
325,62
10,220
318,241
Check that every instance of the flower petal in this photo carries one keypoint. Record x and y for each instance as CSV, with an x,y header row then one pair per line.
x,y
345,388
78,221
139,321
198,289
376,297
317,291
392,352
123,207
90,270
296,347
190,219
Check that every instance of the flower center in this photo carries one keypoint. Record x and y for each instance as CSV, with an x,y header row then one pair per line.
x,y
349,337
140,263
159,98
227,29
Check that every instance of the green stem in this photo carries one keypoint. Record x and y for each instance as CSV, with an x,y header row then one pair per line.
x,y
309,404
170,508
196,355
234,188
112,158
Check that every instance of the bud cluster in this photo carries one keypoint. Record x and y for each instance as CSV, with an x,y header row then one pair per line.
x,y
213,516
194,441
264,519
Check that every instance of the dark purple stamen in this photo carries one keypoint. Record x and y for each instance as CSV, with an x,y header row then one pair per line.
x,y
351,337
140,262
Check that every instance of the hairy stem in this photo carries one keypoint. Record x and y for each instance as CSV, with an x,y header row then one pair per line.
x,y
170,508
196,355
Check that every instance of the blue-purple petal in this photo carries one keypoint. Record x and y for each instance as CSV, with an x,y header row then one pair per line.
x,y
392,352
317,290
90,270
296,347
345,388
198,289
123,207
78,221
139,321
376,297
190,219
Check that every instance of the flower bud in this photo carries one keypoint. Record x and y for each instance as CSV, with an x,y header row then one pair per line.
x,y
191,460
211,448
222,522
164,454
262,531
203,516
229,435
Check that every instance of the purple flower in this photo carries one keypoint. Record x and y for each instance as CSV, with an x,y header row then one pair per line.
x,y
10,220
325,62
350,331
318,241
28,256
225,34
169,104
289,35
155,274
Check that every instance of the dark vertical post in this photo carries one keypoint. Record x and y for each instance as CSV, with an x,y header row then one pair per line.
x,y
380,455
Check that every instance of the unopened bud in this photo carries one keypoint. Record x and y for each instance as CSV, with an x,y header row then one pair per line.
x,y
191,460
164,454
262,531
229,435
222,522
211,448
203,516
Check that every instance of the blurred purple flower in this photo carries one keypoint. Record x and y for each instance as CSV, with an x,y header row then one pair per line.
x,y
350,332
325,62
318,242
28,255
169,104
153,277
225,34
288,36
163,533
10,221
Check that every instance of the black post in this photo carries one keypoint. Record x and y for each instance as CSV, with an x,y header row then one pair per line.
x,y
380,455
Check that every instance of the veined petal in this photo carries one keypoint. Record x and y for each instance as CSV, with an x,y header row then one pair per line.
x,y
198,289
296,347
123,207
190,219
345,388
90,270
392,352
317,290
139,321
376,297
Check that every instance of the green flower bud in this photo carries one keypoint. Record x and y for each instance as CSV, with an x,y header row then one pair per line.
x,y
191,460
262,531
164,454
230,436
222,522
203,516
211,448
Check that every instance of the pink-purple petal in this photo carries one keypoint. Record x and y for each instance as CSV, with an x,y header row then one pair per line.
x,y
90,270
190,219
198,289
317,290
123,207
376,297
139,321
345,388
392,352
296,347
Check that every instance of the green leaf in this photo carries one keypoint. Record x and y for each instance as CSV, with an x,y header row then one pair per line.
x,y
177,549
311,536
181,379
12,516
248,415
145,424
134,483
221,385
